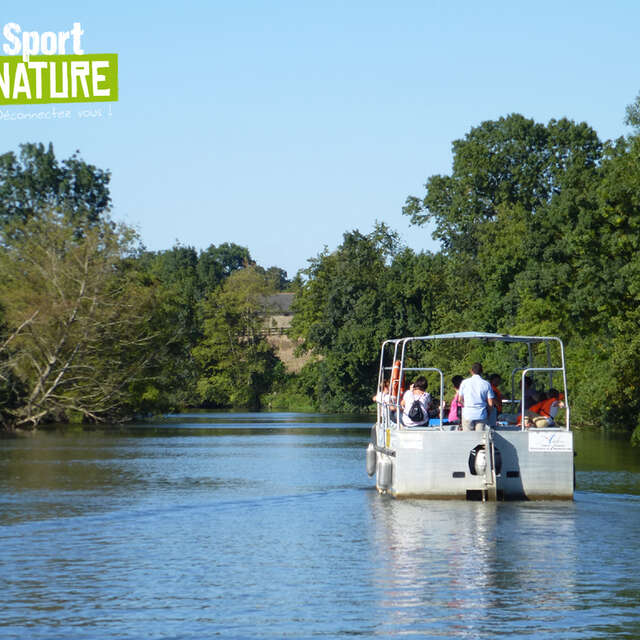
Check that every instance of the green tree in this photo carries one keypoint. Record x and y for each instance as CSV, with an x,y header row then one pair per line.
x,y
77,344
509,161
540,228
34,181
633,114
613,260
215,264
236,361
504,215
183,277
173,273
348,301
278,278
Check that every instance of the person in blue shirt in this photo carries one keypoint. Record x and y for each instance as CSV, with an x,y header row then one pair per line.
x,y
477,398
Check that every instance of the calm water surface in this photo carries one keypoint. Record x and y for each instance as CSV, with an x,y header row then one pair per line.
x,y
267,526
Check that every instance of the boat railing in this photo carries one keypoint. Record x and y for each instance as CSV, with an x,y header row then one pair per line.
x,y
389,414
440,398
523,374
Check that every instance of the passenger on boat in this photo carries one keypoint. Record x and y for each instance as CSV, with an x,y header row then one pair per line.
x,y
455,410
542,414
477,399
531,396
529,392
382,397
496,410
417,391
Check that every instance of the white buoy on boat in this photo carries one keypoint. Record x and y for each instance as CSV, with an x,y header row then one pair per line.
x,y
481,462
385,472
371,459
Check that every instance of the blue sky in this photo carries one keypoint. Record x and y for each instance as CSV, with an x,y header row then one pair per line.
x,y
280,125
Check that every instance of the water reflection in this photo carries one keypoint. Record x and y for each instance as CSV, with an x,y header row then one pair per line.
x,y
606,462
261,420
469,566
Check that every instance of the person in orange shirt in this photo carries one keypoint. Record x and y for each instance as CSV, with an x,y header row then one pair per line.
x,y
543,413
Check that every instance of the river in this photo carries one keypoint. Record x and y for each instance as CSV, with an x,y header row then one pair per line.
x,y
267,526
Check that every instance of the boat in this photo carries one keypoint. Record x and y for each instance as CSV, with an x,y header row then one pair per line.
x,y
514,459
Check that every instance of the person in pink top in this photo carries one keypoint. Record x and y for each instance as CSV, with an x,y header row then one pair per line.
x,y
455,410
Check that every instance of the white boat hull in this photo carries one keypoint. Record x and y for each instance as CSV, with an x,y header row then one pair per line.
x,y
430,463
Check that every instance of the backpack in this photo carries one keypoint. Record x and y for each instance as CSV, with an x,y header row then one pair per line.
x,y
416,414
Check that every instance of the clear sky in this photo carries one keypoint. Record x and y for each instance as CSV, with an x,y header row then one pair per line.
x,y
280,125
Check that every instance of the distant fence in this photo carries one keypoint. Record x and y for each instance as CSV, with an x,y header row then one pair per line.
x,y
273,331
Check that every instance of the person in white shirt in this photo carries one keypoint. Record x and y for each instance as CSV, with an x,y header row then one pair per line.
x,y
382,397
417,391
477,397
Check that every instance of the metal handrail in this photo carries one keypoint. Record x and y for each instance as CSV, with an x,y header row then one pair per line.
x,y
539,369
399,353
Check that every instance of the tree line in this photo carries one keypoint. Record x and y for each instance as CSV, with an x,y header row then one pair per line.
x,y
538,225
94,327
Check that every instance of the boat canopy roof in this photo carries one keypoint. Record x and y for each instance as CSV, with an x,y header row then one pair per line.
x,y
496,337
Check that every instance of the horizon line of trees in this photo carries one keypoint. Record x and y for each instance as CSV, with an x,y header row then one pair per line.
x,y
539,227
95,328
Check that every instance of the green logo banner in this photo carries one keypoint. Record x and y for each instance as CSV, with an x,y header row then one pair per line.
x,y
54,79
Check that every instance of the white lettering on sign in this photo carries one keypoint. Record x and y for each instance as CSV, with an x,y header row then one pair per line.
x,y
31,43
